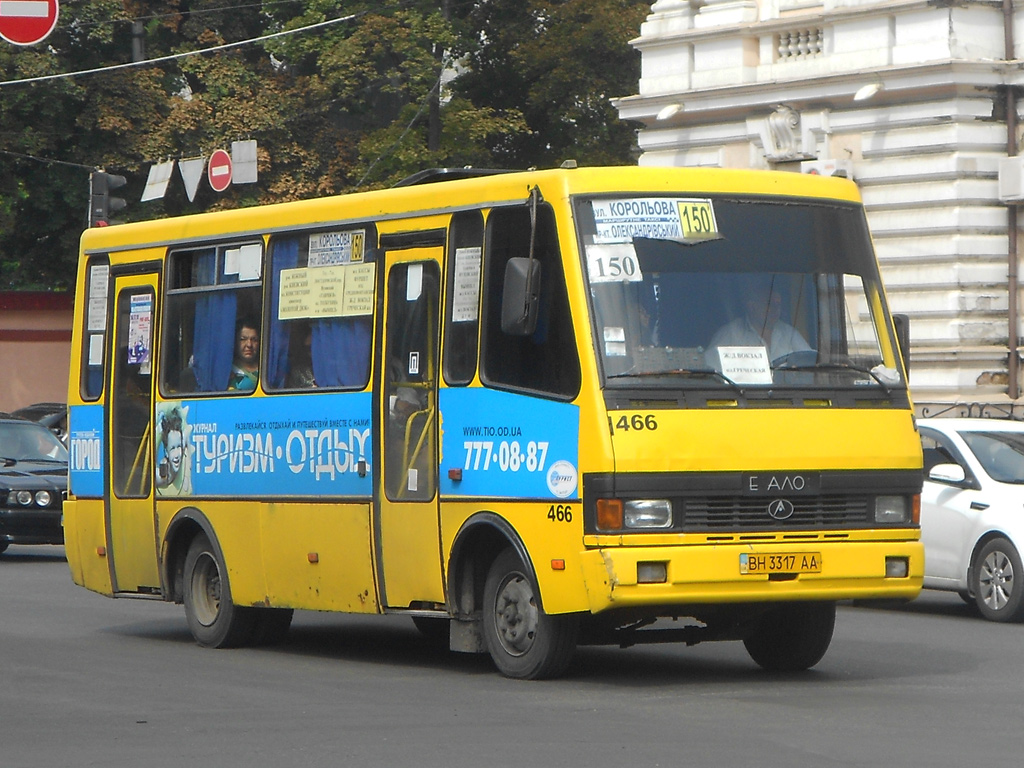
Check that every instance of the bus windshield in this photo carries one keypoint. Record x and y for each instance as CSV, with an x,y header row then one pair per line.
x,y
727,293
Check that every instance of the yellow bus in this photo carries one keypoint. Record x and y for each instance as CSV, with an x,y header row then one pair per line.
x,y
529,410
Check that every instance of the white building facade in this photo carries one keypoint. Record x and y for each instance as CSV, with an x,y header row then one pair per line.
x,y
909,98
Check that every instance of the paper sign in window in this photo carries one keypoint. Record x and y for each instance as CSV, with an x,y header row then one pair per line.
x,y
98,275
746,365
466,294
322,292
335,248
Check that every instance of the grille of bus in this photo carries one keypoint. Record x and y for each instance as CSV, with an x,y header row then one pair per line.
x,y
721,513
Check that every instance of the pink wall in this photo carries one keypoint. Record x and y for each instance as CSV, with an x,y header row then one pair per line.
x,y
35,347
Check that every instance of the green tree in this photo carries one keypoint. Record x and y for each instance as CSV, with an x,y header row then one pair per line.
x,y
558,62
394,87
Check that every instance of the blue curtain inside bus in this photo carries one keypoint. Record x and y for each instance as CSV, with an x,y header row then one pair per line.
x,y
215,329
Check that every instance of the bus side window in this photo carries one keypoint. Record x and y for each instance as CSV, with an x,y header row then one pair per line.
x,y
209,291
546,361
95,326
304,347
462,324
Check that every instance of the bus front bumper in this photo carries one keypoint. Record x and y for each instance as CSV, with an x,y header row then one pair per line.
x,y
652,576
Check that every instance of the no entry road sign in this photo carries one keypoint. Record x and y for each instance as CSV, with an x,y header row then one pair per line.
x,y
219,170
27,22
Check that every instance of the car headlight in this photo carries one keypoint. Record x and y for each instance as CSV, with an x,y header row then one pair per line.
x,y
891,509
615,514
43,498
648,513
24,498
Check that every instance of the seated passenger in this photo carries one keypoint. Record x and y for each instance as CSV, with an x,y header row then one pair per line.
x,y
245,370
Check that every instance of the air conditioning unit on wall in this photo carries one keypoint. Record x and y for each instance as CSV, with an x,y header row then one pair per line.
x,y
1011,179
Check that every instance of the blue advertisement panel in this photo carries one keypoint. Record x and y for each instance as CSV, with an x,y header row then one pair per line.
x,y
508,445
86,450
296,445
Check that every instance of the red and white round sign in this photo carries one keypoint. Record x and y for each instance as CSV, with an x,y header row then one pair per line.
x,y
219,170
27,22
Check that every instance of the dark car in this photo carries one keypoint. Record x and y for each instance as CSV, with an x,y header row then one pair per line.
x,y
53,416
33,484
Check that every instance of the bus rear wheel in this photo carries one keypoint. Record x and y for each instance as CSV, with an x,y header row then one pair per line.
x,y
215,622
792,637
524,642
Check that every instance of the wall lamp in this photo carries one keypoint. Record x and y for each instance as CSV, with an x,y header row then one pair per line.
x,y
666,112
865,92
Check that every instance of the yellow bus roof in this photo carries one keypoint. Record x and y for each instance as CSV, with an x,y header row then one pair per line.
x,y
432,198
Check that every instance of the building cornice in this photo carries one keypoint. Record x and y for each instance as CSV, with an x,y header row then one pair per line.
x,y
801,19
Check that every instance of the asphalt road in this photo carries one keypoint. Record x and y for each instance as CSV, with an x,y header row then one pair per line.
x,y
90,681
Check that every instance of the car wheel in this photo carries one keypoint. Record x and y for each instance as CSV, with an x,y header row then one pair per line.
x,y
524,641
215,622
997,581
792,637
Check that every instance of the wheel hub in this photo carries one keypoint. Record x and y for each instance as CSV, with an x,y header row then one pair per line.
x,y
997,580
206,589
516,615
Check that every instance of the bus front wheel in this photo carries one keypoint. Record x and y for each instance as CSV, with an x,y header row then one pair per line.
x,y
215,622
524,641
792,637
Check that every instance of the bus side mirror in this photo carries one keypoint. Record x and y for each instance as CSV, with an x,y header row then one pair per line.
x,y
519,299
902,324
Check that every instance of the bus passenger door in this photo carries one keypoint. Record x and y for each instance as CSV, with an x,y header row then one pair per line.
x,y
408,529
131,522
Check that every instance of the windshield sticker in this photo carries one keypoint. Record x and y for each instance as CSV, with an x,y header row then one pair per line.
x,y
614,341
688,220
613,264
746,365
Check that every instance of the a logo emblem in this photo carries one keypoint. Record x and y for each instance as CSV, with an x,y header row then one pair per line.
x,y
562,479
781,509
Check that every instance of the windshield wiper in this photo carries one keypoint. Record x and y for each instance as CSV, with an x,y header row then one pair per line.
x,y
705,372
838,367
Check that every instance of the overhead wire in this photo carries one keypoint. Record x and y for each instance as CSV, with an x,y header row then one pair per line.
x,y
176,56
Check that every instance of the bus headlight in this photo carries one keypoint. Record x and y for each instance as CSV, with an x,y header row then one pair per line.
x,y
648,513
891,509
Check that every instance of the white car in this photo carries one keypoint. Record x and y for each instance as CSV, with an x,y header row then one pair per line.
x,y
972,512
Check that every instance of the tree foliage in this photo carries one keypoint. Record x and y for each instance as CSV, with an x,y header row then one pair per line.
x,y
384,89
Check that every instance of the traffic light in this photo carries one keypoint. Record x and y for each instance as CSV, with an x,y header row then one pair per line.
x,y
101,204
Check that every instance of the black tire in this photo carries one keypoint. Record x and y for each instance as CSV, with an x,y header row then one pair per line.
x,y
215,622
436,631
272,625
524,642
997,581
792,637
